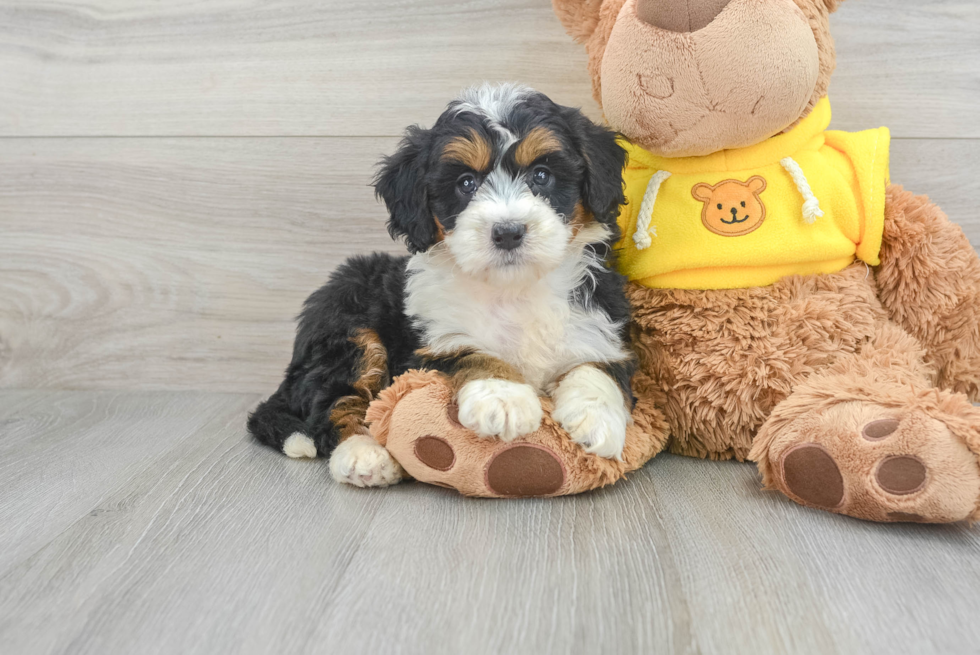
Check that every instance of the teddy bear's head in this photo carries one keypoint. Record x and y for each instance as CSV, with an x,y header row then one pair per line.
x,y
691,77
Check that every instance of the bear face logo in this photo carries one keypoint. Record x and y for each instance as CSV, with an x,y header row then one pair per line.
x,y
732,208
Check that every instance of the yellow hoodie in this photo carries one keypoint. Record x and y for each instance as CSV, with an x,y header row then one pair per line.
x,y
802,202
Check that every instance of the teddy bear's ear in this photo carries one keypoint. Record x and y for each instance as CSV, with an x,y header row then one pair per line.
x,y
580,17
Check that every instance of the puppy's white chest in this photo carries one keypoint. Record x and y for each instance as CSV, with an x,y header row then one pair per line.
x,y
537,330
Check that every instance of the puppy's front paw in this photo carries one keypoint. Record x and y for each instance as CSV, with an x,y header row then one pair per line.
x,y
590,406
498,408
363,462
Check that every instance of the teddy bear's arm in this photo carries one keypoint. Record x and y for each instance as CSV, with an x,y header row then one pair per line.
x,y
929,282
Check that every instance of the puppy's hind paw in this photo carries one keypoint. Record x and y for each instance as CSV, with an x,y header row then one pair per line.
x,y
363,462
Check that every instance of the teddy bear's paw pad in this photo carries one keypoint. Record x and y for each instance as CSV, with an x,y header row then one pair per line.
x,y
812,475
525,470
435,452
901,474
906,517
880,429
361,461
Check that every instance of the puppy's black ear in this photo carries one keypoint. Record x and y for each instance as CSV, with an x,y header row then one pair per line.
x,y
602,186
401,184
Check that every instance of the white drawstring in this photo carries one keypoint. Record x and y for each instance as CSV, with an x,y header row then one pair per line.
x,y
643,228
811,206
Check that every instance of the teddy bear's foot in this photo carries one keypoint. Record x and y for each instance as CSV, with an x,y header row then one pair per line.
x,y
484,467
877,463
422,426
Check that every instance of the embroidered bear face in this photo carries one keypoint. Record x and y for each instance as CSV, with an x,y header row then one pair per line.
x,y
732,208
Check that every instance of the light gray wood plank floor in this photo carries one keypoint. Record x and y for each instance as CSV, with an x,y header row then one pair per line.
x,y
175,178
196,540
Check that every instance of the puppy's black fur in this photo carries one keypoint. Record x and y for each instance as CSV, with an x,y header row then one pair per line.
x,y
363,301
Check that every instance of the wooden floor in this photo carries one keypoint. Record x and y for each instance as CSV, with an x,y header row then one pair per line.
x,y
176,177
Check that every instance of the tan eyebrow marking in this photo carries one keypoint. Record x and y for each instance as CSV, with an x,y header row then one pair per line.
x,y
474,151
539,141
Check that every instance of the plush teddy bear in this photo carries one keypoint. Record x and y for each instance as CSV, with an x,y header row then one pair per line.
x,y
790,305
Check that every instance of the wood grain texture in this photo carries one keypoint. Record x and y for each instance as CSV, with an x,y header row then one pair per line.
x,y
172,263
910,65
346,67
180,263
236,67
222,546
62,455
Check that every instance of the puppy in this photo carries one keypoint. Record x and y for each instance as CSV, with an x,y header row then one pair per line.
x,y
509,207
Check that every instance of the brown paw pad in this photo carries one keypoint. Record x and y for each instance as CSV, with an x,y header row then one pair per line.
x,y
905,517
880,429
435,452
525,470
811,474
901,474
452,413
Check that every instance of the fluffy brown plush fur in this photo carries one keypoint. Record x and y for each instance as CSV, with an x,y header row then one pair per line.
x,y
928,283
722,360
851,390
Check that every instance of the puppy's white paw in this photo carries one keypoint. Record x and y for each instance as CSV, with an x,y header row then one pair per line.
x,y
363,462
590,406
298,445
499,408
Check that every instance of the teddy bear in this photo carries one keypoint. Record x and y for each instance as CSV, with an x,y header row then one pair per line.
x,y
828,329
790,305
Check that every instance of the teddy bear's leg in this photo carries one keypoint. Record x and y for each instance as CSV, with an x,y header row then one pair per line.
x,y
929,282
418,420
871,437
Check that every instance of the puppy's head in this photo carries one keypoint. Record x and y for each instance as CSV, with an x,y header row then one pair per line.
x,y
507,183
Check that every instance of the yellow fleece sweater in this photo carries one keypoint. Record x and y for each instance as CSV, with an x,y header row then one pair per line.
x,y
802,202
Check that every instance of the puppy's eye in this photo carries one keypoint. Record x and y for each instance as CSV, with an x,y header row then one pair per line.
x,y
540,176
466,184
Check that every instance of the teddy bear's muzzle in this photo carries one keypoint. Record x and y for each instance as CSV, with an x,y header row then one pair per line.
x,y
679,15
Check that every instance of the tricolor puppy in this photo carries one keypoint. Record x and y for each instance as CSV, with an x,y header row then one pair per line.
x,y
509,207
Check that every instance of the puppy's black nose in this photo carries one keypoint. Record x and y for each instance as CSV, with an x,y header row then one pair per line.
x,y
508,236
